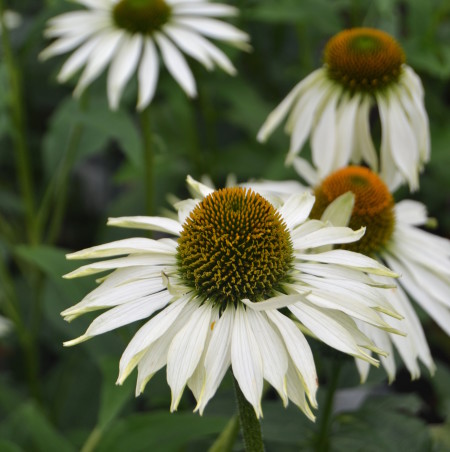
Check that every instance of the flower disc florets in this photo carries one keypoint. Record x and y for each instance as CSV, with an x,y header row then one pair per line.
x,y
141,16
234,245
364,59
374,205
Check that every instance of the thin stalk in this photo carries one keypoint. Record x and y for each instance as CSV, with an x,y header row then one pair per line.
x,y
226,440
250,426
23,167
323,435
149,161
11,307
92,440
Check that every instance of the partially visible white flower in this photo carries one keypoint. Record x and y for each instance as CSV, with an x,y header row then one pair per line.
x,y
363,67
393,236
5,326
212,295
129,36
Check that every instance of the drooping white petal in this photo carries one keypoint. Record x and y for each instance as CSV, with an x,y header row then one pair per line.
x,y
305,170
277,115
98,59
348,259
150,332
363,145
123,315
214,29
296,393
137,245
246,360
122,262
297,208
161,224
185,351
176,65
411,212
299,351
147,74
218,357
205,9
273,352
122,67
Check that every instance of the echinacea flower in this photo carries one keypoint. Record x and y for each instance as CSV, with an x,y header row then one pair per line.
x,y
127,34
393,236
362,67
231,289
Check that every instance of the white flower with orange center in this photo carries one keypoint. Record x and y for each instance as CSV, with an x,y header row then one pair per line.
x,y
363,67
127,35
394,238
235,288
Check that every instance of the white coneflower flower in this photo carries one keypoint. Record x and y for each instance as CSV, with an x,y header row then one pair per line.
x,y
394,238
214,294
127,33
363,67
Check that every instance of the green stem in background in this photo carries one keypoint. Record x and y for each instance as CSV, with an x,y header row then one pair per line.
x,y
24,174
11,307
250,426
226,440
323,434
92,440
149,161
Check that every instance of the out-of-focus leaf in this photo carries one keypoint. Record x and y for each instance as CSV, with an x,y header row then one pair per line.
x,y
161,431
384,423
441,437
113,397
28,426
9,446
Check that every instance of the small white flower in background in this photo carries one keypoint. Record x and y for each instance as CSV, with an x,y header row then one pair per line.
x,y
235,288
128,34
5,326
393,236
11,19
363,67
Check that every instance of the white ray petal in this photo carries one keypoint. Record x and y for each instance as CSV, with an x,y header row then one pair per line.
x,y
329,236
176,65
185,351
218,357
147,74
305,170
161,224
411,212
273,352
339,212
299,351
296,393
150,332
205,9
363,140
297,208
123,315
246,360
122,67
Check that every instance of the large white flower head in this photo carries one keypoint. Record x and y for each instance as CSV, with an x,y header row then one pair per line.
x,y
363,66
236,287
127,34
394,238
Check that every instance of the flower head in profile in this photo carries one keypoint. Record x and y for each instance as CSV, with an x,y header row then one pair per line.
x,y
362,67
235,288
129,35
393,236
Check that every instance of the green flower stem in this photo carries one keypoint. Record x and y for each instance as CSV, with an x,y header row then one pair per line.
x,y
10,304
226,440
149,161
323,434
93,439
250,426
24,174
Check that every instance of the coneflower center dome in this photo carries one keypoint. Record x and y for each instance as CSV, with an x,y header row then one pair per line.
x,y
141,16
364,59
234,245
374,205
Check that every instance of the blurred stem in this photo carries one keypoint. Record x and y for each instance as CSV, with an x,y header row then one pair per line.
x,y
149,160
23,167
92,440
226,440
306,59
323,434
250,426
56,193
11,305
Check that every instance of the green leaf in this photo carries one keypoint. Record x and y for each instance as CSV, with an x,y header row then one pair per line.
x,y
113,397
28,426
441,437
161,431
